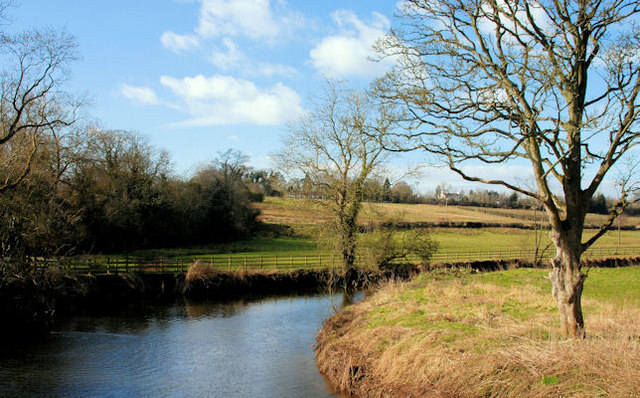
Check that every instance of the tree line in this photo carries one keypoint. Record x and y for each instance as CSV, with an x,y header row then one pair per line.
x,y
96,190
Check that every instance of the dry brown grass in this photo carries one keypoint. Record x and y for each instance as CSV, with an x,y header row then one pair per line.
x,y
290,211
198,271
468,338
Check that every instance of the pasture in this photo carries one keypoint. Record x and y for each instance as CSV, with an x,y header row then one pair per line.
x,y
289,211
302,217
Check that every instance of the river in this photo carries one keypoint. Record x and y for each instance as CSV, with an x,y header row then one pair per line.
x,y
243,348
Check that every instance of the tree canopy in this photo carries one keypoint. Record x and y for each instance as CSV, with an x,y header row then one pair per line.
x,y
338,147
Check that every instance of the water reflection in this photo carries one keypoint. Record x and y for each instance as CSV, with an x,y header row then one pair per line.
x,y
244,348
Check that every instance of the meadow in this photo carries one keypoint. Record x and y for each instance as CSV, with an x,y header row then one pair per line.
x,y
494,334
290,211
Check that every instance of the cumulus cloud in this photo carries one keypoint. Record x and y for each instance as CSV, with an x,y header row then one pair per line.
x,y
255,19
178,43
348,53
223,24
223,100
144,95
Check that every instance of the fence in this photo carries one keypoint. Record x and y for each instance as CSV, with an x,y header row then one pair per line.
x,y
275,262
283,261
531,254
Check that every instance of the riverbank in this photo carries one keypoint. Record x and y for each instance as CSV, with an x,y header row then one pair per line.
x,y
31,302
466,334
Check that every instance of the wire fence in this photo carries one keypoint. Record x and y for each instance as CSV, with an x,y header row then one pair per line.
x,y
288,261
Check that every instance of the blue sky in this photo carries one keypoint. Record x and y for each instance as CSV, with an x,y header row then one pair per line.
x,y
199,77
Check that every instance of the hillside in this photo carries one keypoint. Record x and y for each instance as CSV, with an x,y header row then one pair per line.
x,y
288,211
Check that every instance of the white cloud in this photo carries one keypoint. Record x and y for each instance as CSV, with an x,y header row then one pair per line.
x,y
178,43
144,95
348,53
225,25
232,59
255,19
229,58
269,70
505,12
223,100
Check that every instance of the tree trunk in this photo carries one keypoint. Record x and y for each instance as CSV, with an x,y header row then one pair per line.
x,y
567,282
349,229
348,246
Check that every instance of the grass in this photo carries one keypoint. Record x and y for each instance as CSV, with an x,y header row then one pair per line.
x,y
450,239
514,238
290,211
493,334
256,246
456,244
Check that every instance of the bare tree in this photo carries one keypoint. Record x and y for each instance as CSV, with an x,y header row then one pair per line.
x,y
336,150
31,103
551,83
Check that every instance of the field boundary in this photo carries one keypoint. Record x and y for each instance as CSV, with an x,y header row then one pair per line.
x,y
284,261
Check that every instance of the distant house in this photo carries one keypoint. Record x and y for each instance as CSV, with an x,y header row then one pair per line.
x,y
449,196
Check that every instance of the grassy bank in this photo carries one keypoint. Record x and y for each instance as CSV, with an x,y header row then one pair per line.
x,y
493,334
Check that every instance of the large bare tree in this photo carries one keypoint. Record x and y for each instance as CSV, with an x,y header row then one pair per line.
x,y
549,82
31,102
336,150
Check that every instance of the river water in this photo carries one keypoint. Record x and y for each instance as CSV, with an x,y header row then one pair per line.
x,y
244,348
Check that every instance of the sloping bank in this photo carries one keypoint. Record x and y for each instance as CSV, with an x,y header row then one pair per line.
x,y
460,333
30,303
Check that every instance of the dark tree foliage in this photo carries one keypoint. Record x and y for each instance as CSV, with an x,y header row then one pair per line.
x,y
109,191
598,205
